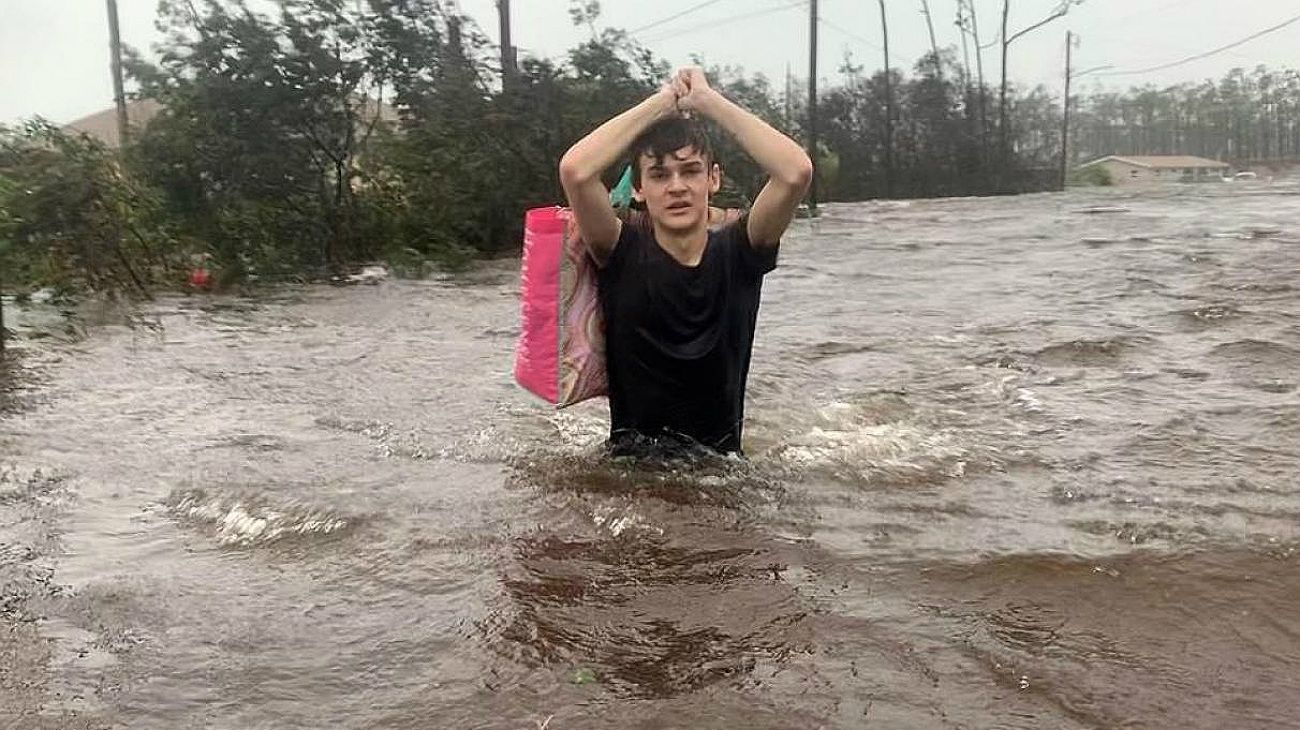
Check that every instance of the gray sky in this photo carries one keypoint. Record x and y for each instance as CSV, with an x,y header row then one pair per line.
x,y
54,53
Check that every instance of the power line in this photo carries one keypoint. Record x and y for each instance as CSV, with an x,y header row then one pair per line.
x,y
859,38
675,16
849,33
1206,54
729,21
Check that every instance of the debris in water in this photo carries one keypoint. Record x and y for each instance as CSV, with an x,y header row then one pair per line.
x,y
370,274
1103,209
1263,231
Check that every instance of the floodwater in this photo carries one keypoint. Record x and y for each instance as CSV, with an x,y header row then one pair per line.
x,y
1012,464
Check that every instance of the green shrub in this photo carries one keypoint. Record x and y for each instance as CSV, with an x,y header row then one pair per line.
x,y
1090,176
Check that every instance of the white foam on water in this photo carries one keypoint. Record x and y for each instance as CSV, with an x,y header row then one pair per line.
x,y
562,433
245,521
1028,400
578,432
847,445
1009,389
618,519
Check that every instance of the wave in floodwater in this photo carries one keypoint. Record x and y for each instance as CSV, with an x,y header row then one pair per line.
x,y
245,520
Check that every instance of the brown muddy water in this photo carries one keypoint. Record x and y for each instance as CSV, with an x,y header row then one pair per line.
x,y
1012,465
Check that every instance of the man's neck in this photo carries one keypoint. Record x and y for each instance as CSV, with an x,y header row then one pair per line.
x,y
685,246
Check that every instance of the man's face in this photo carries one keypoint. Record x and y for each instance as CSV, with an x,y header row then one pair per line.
x,y
676,189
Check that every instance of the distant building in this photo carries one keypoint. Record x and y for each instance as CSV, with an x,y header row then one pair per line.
x,y
1125,170
139,112
103,125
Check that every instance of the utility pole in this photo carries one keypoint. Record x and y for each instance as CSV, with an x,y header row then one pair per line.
x,y
119,96
508,60
979,66
1065,123
812,103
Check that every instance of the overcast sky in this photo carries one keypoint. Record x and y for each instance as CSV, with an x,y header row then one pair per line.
x,y
54,53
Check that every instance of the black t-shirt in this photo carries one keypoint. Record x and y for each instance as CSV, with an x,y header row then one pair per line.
x,y
678,338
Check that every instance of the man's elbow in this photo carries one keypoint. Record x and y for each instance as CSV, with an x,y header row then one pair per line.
x,y
571,171
799,175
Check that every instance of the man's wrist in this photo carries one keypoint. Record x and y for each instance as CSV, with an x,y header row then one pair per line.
x,y
663,104
710,103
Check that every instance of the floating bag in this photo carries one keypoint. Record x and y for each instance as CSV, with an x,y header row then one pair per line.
x,y
560,356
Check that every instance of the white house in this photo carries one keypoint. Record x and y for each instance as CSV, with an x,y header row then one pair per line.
x,y
1130,169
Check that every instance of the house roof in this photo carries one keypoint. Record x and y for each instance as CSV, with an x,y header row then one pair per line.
x,y
139,112
1162,162
103,125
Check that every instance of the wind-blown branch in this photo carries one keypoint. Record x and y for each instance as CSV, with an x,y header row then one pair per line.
x,y
1059,13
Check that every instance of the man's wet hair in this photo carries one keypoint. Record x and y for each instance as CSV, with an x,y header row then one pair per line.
x,y
666,137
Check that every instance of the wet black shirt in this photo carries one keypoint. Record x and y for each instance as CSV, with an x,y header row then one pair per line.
x,y
678,338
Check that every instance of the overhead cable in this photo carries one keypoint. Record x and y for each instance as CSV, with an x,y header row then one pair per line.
x,y
1206,54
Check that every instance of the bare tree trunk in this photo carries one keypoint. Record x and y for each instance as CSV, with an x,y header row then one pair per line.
x,y
965,52
889,108
1065,117
934,44
1004,148
983,89
812,103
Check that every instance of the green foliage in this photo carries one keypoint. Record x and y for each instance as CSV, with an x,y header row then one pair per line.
x,y
261,140
71,217
584,12
1092,175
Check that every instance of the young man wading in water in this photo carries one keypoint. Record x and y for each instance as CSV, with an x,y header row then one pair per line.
x,y
680,301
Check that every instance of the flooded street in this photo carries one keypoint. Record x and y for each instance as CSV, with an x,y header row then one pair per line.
x,y
1016,463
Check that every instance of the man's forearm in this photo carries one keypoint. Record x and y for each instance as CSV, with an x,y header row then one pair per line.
x,y
596,152
780,157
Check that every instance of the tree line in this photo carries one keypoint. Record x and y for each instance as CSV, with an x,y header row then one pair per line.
x,y
1246,118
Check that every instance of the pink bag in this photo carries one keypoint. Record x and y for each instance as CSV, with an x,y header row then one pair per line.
x,y
560,355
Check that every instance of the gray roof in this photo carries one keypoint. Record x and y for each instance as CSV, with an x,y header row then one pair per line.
x,y
103,125
139,112
1163,162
